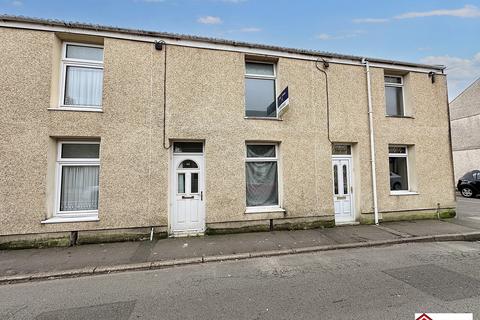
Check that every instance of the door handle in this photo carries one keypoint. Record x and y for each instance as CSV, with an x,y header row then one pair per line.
x,y
187,197
201,195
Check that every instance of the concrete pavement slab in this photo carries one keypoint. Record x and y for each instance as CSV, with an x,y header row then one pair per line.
x,y
55,259
428,227
359,233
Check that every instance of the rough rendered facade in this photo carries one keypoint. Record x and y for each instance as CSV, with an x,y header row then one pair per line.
x,y
139,184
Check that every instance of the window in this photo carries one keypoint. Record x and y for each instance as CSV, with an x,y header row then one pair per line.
x,y
341,149
260,92
476,175
188,147
398,158
261,169
394,95
82,80
78,166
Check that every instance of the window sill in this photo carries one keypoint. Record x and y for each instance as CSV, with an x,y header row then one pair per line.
x,y
403,193
263,209
83,109
263,118
71,219
393,116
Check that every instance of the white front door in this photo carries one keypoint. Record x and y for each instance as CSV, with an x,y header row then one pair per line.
x,y
188,214
343,190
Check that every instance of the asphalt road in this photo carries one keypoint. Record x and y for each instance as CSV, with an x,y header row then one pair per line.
x,y
468,211
370,283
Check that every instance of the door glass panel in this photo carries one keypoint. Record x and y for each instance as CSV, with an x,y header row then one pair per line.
x,y
187,147
341,149
188,164
181,183
335,179
194,182
345,179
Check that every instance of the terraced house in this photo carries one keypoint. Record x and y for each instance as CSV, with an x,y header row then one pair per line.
x,y
110,133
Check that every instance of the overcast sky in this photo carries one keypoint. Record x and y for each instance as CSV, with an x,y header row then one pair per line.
x,y
429,31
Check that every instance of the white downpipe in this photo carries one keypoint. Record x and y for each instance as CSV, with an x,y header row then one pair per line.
x,y
372,141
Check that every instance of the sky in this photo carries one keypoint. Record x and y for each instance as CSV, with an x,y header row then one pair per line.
x,y
427,31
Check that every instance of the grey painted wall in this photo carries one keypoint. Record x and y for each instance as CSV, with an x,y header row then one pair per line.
x,y
465,121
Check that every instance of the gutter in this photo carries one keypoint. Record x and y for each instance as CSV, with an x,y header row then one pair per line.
x,y
372,141
20,22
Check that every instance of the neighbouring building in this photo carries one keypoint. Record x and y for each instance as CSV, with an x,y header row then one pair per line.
x,y
465,124
110,133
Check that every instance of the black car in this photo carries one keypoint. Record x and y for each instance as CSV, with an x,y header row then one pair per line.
x,y
469,184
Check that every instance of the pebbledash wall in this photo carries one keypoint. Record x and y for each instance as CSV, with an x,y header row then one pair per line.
x,y
205,101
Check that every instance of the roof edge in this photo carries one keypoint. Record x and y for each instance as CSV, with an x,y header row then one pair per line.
x,y
175,36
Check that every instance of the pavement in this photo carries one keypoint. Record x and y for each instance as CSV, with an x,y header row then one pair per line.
x,y
47,263
387,282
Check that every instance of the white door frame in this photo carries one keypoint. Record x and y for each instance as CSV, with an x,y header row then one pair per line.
x,y
176,159
352,217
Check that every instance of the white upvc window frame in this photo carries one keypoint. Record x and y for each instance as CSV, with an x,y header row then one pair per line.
x,y
83,215
264,77
274,208
82,63
400,155
396,85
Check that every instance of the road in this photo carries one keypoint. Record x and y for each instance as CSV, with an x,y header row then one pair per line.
x,y
468,211
369,283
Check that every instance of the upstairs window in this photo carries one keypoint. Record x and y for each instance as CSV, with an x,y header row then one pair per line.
x,y
394,96
398,162
260,92
82,76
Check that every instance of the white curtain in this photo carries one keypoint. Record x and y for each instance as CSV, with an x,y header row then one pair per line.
x,y
262,186
79,188
83,86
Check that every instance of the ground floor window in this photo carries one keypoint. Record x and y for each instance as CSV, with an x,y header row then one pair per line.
x,y
261,169
398,162
78,166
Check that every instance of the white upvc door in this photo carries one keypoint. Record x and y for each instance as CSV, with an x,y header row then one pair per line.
x,y
188,212
343,190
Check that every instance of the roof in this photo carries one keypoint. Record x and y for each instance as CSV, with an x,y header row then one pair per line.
x,y
176,36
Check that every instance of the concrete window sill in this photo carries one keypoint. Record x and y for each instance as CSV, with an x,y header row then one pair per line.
x,y
83,218
76,109
263,118
401,117
264,210
404,193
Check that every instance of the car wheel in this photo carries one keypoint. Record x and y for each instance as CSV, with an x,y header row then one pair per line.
x,y
397,186
467,192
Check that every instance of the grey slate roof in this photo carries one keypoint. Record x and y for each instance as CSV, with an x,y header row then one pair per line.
x,y
175,36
